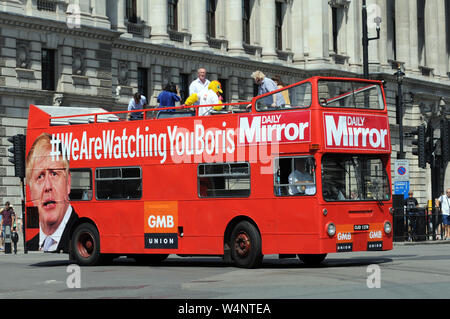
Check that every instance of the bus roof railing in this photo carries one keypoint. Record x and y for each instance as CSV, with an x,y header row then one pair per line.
x,y
82,115
79,115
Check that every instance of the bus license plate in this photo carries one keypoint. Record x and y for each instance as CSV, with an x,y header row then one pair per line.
x,y
360,227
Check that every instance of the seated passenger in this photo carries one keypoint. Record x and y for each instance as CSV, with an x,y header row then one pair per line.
x,y
298,180
340,195
333,193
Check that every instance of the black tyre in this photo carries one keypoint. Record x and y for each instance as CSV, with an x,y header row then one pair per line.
x,y
85,245
245,244
312,260
150,259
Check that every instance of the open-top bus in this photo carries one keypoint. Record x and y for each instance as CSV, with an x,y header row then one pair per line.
x,y
308,177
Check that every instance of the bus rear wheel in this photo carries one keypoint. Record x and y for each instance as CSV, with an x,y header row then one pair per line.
x,y
85,245
246,247
312,260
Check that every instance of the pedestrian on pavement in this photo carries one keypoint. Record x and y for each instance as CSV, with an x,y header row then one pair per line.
x,y
444,201
1,233
8,219
411,204
14,238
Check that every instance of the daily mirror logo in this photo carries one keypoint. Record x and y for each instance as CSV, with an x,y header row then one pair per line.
x,y
356,131
287,127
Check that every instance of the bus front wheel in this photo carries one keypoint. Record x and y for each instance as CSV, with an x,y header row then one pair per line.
x,y
246,247
312,260
85,245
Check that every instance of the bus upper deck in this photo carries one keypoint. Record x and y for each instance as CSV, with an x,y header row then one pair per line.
x,y
337,102
313,93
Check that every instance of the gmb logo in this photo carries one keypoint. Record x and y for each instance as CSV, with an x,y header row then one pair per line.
x,y
158,221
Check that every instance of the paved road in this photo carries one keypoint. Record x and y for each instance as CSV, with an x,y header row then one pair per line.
x,y
408,271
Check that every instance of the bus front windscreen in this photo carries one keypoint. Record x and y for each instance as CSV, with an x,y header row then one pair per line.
x,y
350,94
354,178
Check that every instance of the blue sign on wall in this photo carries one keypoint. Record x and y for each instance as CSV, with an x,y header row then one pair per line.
x,y
401,188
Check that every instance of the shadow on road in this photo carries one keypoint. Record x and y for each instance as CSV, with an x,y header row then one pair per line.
x,y
268,263
53,263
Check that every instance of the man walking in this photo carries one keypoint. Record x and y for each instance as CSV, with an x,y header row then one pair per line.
x,y
444,200
8,219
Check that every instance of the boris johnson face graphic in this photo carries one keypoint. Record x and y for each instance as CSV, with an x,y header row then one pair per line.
x,y
49,182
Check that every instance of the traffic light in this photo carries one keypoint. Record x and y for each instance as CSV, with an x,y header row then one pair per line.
x,y
430,147
445,140
18,154
420,143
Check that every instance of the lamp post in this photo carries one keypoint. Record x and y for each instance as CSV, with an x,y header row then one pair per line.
x,y
399,75
366,39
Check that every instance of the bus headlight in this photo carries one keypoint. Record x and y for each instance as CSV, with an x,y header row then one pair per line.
x,y
387,227
331,229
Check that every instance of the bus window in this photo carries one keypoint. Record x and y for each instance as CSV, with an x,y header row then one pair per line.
x,y
81,184
224,180
118,183
350,94
294,176
295,97
354,178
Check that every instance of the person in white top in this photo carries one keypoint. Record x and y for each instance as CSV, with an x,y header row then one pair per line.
x,y
444,201
199,84
137,102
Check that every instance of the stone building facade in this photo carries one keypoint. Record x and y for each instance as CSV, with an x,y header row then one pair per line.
x,y
97,53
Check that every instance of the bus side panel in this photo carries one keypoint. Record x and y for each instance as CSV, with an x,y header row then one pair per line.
x,y
284,227
295,215
213,215
131,228
107,219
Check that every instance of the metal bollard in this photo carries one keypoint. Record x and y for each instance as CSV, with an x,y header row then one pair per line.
x,y
8,240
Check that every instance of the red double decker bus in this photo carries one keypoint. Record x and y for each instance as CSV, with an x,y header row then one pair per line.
x,y
304,170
